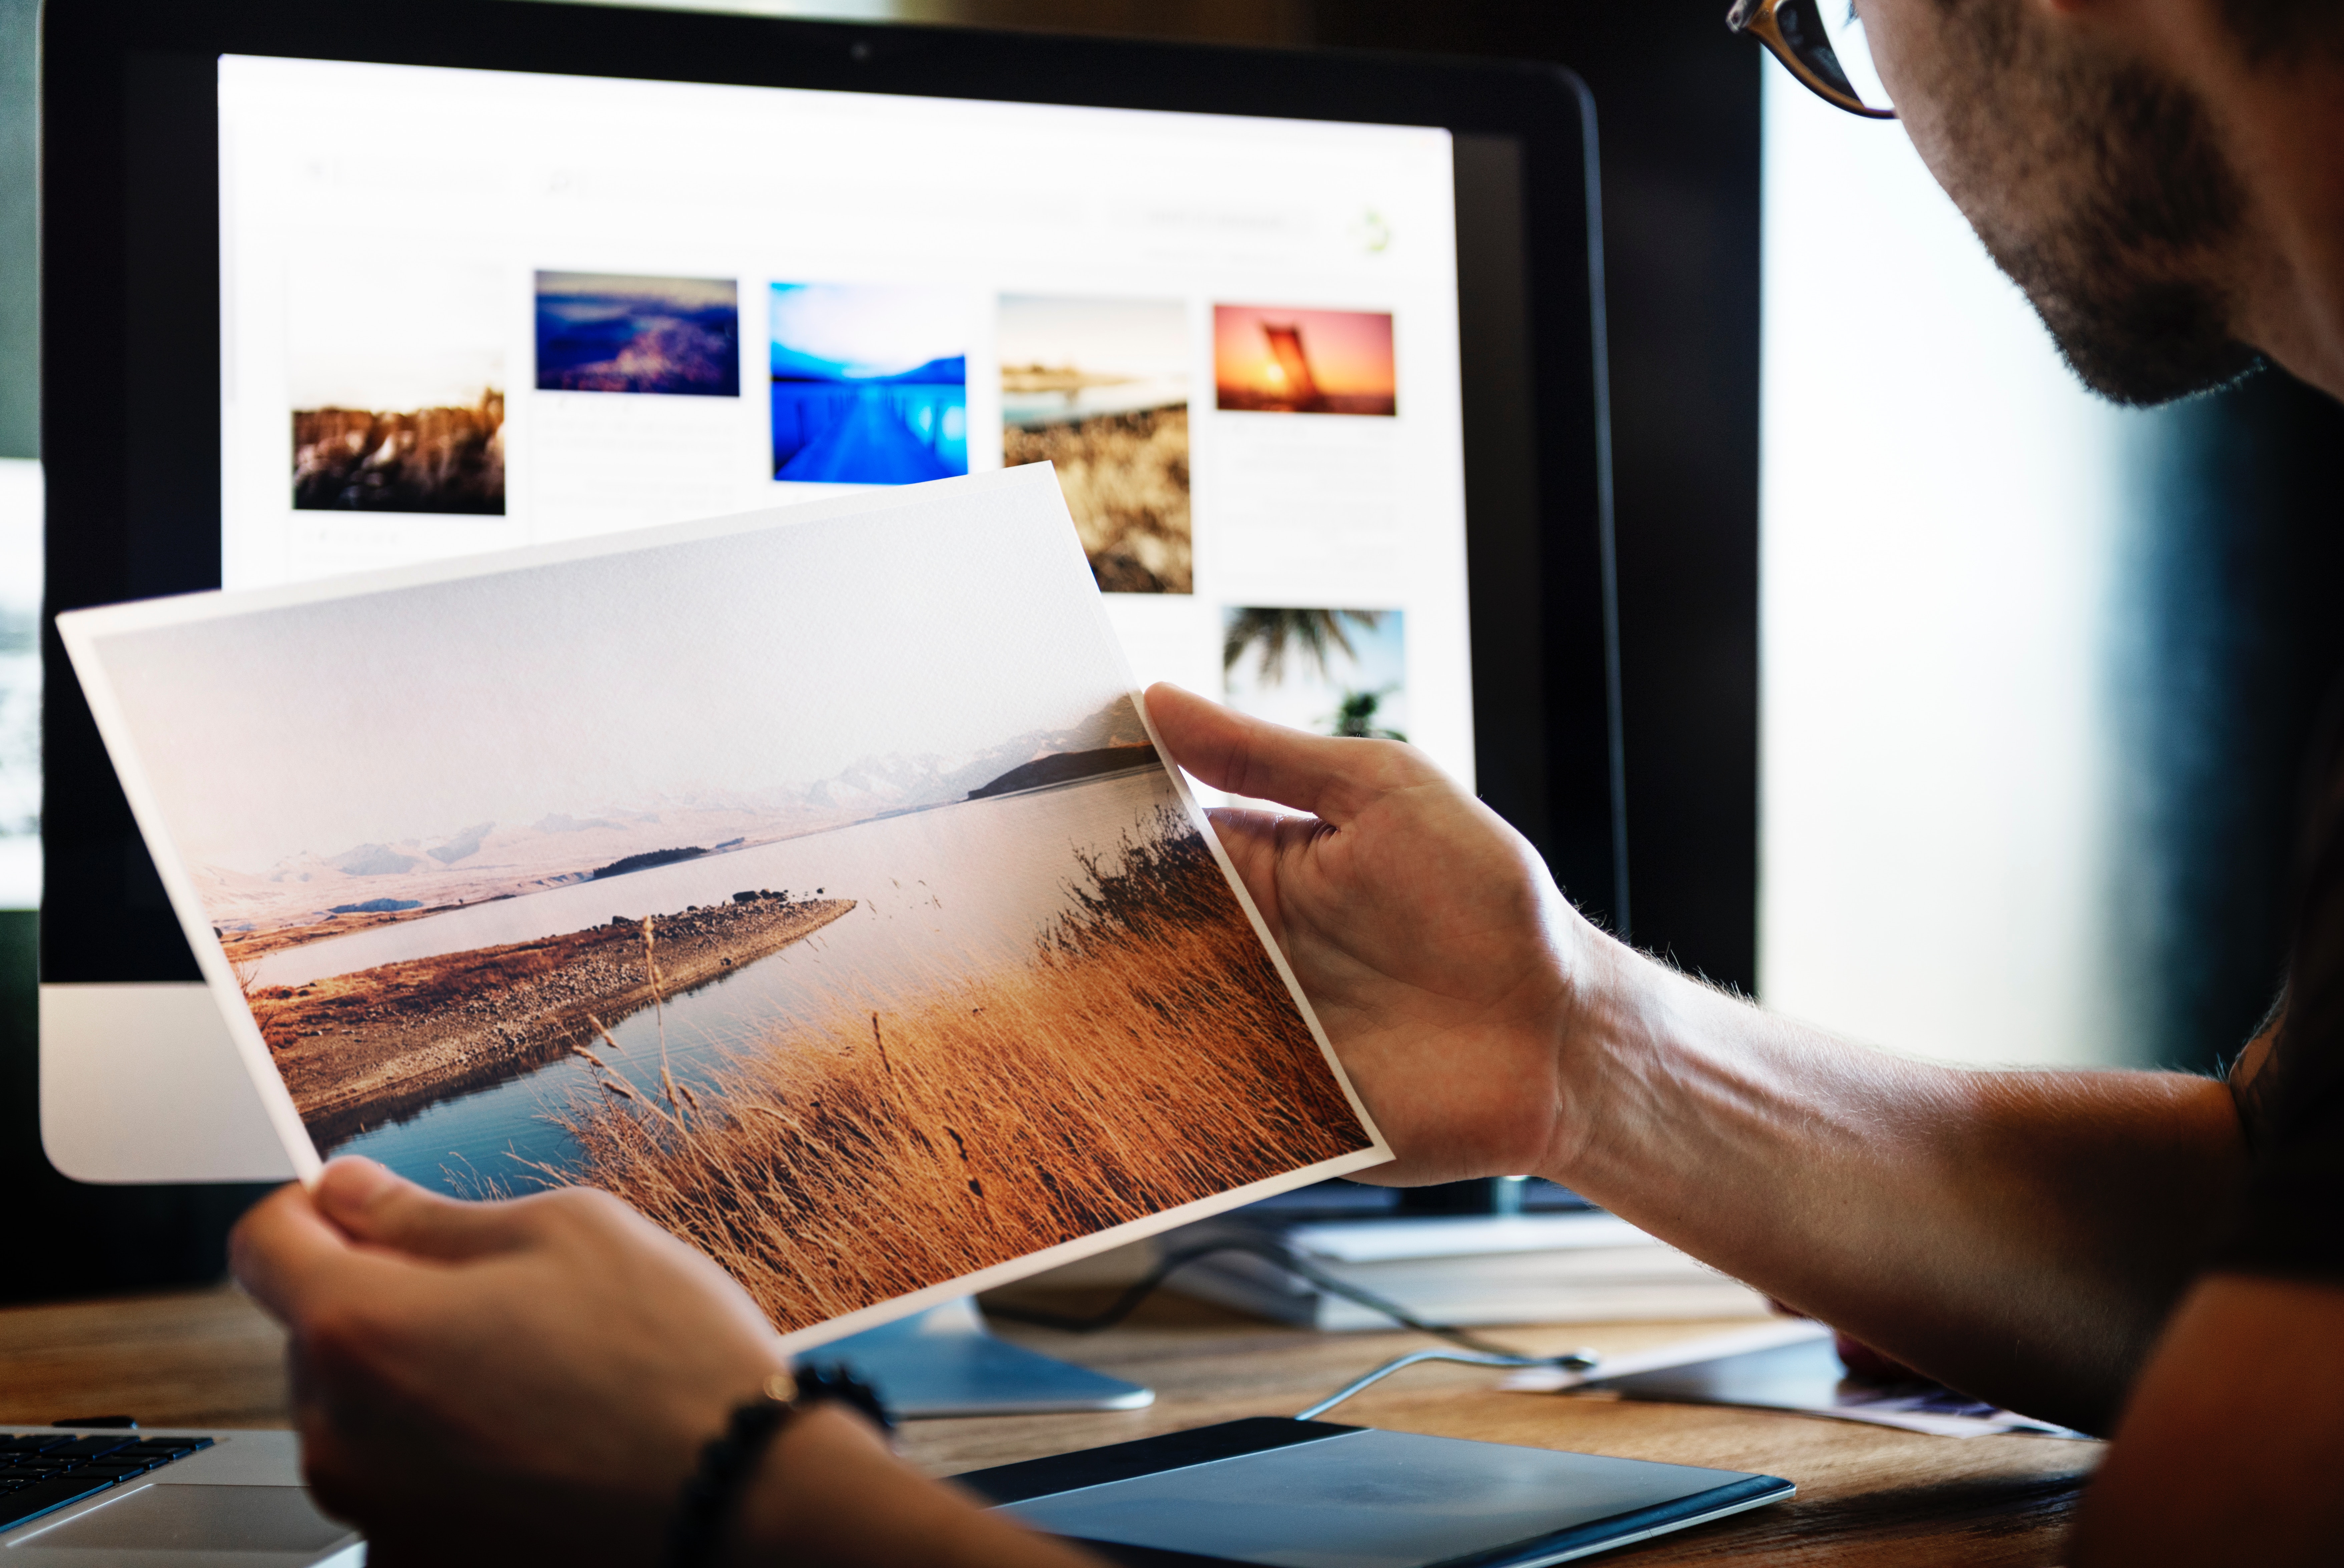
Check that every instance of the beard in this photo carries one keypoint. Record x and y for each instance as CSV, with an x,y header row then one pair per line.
x,y
2140,200
2135,338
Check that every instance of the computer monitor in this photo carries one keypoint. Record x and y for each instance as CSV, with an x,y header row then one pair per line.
x,y
1315,340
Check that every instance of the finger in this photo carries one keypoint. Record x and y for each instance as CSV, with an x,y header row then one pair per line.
x,y
286,1254
381,1208
1333,780
1250,840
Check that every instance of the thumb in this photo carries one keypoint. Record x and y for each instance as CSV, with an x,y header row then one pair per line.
x,y
1333,780
286,1254
382,1209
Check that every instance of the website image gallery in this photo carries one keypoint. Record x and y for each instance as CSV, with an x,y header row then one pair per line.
x,y
465,310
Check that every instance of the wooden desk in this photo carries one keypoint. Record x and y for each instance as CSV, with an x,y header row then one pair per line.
x,y
1866,1495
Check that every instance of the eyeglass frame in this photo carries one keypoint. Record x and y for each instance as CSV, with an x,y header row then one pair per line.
x,y
1757,19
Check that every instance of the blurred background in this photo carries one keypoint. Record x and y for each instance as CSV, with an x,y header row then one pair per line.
x,y
1965,715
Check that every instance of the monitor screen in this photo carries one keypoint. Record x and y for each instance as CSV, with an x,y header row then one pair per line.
x,y
1315,341
463,309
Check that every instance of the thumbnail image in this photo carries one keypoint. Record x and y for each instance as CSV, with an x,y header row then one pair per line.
x,y
845,922
396,373
870,383
607,332
1100,387
1336,671
1286,361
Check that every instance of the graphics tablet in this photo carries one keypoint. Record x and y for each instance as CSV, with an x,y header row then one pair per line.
x,y
1286,1494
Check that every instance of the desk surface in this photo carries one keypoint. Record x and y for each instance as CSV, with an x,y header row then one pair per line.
x,y
1866,1495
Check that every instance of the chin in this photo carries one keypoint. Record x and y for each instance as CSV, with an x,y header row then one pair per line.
x,y
2143,370
2136,340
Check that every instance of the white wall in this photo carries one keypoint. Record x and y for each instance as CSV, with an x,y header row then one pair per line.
x,y
1938,536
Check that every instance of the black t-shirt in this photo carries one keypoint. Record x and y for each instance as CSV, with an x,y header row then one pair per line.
x,y
2290,1097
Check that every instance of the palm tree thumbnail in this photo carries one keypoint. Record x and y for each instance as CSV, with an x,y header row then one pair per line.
x,y
1274,633
1355,716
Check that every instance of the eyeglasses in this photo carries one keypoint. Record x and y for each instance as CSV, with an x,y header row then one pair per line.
x,y
1832,59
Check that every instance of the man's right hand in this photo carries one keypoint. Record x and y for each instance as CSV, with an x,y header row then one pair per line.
x,y
1428,934
2019,1236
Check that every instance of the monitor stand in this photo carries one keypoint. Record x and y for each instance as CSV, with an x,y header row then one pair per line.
x,y
944,1361
141,1084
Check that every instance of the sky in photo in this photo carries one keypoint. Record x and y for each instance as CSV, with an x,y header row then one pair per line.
x,y
1141,338
1350,352
854,330
938,622
391,334
682,293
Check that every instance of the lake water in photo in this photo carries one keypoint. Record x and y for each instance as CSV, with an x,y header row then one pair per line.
x,y
941,895
1091,400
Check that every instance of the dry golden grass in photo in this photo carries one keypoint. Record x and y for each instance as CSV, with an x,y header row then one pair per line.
x,y
1146,1056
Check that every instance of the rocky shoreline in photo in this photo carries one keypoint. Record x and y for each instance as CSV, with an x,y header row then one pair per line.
x,y
378,1045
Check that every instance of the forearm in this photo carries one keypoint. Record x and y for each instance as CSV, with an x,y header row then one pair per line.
x,y
2021,1236
829,1492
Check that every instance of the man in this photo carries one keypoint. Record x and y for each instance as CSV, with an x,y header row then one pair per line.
x,y
2155,1256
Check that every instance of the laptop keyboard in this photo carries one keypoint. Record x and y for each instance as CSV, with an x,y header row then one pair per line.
x,y
40,1471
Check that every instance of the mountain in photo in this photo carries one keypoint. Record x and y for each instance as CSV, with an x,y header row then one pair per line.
x,y
491,859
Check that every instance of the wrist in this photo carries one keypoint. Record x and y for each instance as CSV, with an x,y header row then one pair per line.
x,y
1600,1034
702,1518
829,1491
780,1516
733,1464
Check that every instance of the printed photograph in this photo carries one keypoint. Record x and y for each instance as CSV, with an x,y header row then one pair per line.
x,y
870,383
1334,672
845,922
1276,361
1100,387
396,373
610,332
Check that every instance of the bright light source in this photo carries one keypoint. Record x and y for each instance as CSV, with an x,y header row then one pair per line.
x,y
1940,513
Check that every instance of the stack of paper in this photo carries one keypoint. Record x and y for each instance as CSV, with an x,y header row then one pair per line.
x,y
1782,1366
1459,1269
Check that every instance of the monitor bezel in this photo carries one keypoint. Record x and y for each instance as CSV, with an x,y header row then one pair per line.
x,y
130,355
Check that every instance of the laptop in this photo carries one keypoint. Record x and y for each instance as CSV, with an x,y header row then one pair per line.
x,y
84,1493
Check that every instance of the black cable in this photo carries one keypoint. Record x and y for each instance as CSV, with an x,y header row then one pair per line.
x,y
1284,1258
